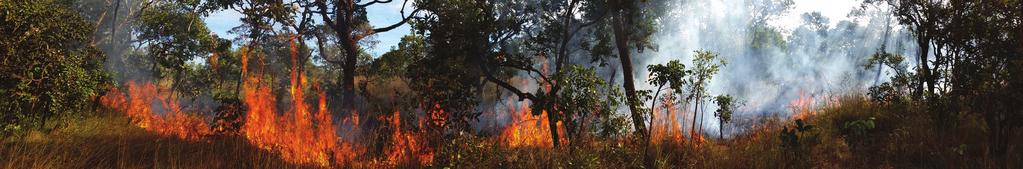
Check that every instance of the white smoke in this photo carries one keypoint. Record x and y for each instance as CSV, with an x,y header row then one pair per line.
x,y
812,60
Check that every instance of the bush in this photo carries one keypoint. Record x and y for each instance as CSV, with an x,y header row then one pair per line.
x,y
48,67
856,132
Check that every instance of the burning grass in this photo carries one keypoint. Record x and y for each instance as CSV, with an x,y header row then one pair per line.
x,y
904,137
113,141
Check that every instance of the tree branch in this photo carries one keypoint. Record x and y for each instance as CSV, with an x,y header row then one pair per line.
x,y
374,2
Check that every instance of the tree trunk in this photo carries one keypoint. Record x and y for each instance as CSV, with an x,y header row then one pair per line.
x,y
696,111
703,108
348,71
925,71
622,44
653,106
552,118
721,130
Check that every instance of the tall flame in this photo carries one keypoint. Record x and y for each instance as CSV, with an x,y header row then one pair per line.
x,y
527,130
154,112
803,107
298,135
407,146
666,125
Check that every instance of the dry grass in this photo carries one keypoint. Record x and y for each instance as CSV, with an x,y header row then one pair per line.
x,y
904,137
111,142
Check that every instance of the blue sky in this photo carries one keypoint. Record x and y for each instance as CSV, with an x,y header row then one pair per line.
x,y
379,15
386,14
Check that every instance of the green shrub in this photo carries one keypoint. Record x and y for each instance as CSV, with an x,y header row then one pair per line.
x,y
857,131
48,67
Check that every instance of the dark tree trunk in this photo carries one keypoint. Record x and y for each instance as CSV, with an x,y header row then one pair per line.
x,y
348,73
721,130
622,45
925,70
552,118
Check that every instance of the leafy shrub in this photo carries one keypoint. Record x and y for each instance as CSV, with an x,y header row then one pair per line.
x,y
790,137
857,131
48,67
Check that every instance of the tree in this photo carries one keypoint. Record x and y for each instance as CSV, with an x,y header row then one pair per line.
x,y
500,39
461,34
923,17
48,68
762,35
632,23
585,94
173,34
705,65
672,74
724,112
347,18
395,63
977,51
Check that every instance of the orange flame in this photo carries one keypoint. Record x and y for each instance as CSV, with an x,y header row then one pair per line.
x,y
244,59
302,134
527,130
667,126
803,107
138,105
406,147
298,135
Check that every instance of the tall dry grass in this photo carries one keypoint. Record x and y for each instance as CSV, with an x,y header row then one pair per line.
x,y
904,137
110,141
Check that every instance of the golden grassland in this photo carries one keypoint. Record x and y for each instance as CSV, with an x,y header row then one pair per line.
x,y
903,138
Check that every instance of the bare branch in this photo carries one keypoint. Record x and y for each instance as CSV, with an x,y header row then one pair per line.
x,y
373,2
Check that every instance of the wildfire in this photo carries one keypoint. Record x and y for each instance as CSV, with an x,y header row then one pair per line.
x,y
527,130
803,107
154,112
298,135
407,146
666,126
299,132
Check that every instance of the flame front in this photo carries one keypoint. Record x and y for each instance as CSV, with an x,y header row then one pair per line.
x,y
297,134
155,112
528,130
803,107
665,125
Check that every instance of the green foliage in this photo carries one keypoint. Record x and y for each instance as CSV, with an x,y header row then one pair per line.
x,y
974,68
816,21
857,130
449,75
584,95
47,66
705,65
790,137
725,108
395,62
672,74
762,35
765,37
900,83
638,20
173,35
